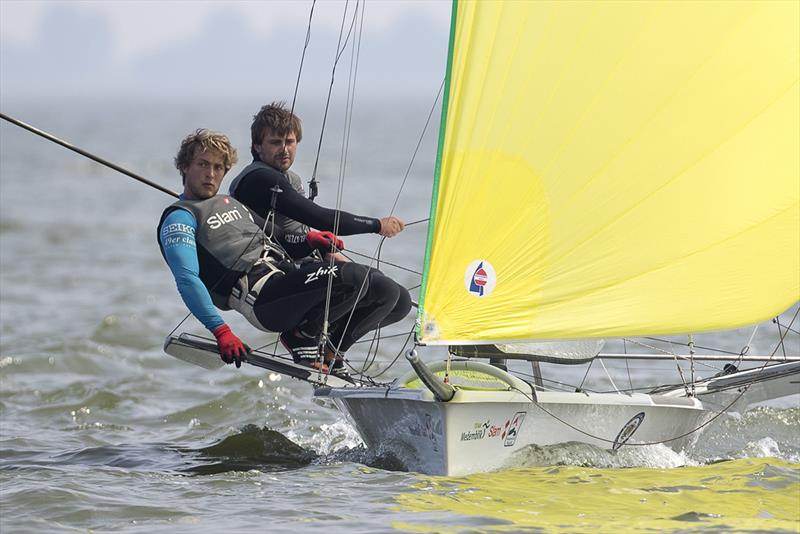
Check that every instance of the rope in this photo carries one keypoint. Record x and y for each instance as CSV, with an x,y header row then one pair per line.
x,y
397,357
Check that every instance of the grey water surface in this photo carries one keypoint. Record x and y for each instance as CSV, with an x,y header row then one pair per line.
x,y
101,431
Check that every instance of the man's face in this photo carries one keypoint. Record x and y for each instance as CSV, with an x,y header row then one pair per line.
x,y
277,151
204,175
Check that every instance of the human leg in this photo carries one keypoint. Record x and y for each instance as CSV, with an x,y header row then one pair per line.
x,y
297,299
294,304
385,303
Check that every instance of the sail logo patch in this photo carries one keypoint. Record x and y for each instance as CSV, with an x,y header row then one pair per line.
x,y
480,278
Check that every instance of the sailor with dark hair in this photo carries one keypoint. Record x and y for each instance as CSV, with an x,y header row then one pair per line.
x,y
269,188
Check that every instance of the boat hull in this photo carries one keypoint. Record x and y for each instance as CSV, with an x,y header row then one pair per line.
x,y
481,431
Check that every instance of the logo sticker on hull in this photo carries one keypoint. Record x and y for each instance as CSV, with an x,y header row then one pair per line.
x,y
628,430
480,278
511,429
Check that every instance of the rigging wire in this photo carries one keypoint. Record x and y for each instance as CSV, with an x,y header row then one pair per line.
x,y
589,368
345,254
271,215
785,333
641,443
792,330
312,184
355,54
274,343
742,391
716,415
780,336
376,337
82,152
746,347
405,177
712,349
303,56
673,353
399,353
348,122
340,183
101,161
613,385
627,365
416,149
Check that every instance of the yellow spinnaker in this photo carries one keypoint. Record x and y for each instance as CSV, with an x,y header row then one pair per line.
x,y
615,168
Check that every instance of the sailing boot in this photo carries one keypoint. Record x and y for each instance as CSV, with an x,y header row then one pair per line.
x,y
339,367
304,350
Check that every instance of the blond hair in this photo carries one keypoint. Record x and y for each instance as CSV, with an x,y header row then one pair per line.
x,y
202,140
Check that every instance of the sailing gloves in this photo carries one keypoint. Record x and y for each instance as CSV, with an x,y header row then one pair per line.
x,y
231,348
323,241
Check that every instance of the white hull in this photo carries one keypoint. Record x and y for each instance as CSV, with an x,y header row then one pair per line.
x,y
474,432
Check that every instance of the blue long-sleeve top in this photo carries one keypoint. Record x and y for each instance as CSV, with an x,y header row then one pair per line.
x,y
176,235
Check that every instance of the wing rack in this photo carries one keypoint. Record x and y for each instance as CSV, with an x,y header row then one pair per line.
x,y
203,352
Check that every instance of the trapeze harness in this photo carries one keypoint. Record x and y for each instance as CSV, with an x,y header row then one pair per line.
x,y
290,230
294,232
236,257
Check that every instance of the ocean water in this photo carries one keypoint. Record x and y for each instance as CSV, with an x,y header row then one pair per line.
x,y
101,431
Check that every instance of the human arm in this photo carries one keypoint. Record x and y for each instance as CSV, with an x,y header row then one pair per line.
x,y
254,192
176,235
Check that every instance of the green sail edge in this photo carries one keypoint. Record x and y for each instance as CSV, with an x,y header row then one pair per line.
x,y
437,170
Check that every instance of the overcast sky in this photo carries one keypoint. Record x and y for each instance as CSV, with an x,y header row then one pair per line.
x,y
65,48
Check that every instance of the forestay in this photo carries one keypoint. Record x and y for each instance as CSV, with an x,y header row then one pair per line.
x,y
618,169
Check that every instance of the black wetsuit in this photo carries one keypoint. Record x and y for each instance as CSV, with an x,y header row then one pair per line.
x,y
298,297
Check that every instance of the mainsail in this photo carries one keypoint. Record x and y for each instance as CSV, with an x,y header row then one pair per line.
x,y
614,169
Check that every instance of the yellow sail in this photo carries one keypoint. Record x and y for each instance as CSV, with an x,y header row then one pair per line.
x,y
615,168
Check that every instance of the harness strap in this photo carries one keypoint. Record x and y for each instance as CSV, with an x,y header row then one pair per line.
x,y
246,290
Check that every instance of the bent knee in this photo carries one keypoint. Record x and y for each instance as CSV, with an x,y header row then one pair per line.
x,y
403,305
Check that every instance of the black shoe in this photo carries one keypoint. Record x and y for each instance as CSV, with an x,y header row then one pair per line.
x,y
304,351
339,370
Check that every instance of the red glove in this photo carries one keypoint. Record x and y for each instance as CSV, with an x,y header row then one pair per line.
x,y
323,241
231,348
